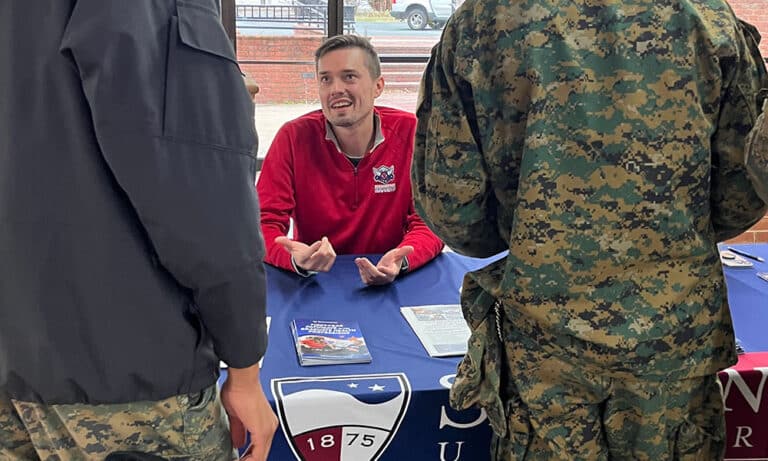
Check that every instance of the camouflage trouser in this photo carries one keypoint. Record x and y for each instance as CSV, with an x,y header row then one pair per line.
x,y
189,427
561,410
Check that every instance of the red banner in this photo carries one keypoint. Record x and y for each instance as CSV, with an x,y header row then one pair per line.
x,y
744,393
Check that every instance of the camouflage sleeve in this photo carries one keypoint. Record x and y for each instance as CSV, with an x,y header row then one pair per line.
x,y
736,205
757,154
451,185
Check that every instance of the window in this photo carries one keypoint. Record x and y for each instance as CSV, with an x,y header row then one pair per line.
x,y
276,41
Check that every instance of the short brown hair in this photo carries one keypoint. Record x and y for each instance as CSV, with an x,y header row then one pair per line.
x,y
339,42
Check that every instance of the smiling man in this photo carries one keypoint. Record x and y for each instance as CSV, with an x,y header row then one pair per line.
x,y
342,174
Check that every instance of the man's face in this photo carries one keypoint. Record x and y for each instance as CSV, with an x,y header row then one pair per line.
x,y
347,89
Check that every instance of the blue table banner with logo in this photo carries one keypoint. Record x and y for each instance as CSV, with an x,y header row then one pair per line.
x,y
396,407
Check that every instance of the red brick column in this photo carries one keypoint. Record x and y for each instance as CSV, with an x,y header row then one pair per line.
x,y
754,12
280,83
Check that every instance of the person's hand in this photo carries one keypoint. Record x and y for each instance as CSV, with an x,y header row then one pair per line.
x,y
248,410
318,257
386,270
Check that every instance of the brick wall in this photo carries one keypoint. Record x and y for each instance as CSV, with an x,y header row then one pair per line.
x,y
754,12
758,233
281,83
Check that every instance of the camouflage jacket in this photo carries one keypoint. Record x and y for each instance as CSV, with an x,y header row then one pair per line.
x,y
757,154
602,144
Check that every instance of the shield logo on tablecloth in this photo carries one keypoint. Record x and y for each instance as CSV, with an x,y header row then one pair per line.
x,y
341,418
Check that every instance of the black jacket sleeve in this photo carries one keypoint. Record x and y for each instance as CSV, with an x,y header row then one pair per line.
x,y
174,123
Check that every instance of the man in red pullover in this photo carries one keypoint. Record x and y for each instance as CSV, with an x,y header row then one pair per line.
x,y
342,174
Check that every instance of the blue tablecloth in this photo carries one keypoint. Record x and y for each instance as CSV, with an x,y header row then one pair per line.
x,y
396,408
424,425
748,296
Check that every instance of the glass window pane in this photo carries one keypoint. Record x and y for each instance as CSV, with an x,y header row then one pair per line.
x,y
402,28
276,41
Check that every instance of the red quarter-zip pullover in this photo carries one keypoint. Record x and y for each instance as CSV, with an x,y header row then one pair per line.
x,y
362,209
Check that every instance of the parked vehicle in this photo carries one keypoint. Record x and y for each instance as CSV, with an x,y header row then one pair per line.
x,y
419,14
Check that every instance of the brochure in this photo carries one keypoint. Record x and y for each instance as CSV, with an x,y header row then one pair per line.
x,y
441,328
329,342
731,259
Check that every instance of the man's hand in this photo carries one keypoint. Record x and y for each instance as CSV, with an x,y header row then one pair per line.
x,y
386,270
248,410
318,257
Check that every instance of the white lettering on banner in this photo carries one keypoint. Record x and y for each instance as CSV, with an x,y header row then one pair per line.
x,y
447,381
753,400
446,421
722,394
740,437
458,450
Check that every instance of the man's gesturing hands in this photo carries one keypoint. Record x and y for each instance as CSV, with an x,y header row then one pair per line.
x,y
318,257
386,270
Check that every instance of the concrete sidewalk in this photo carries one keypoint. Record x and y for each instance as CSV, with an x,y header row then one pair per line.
x,y
270,117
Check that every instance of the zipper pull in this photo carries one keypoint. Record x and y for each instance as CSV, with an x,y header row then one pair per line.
x,y
497,309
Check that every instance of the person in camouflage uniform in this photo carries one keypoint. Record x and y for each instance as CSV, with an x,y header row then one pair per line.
x,y
602,143
185,427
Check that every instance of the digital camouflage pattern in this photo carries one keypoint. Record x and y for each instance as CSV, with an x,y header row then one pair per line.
x,y
601,142
757,140
189,427
757,154
560,408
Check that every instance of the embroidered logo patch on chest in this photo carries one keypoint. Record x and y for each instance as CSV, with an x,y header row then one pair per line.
x,y
384,179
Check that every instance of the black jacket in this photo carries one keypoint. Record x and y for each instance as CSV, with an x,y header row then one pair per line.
x,y
130,250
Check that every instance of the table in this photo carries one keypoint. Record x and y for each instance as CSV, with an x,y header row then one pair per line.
x,y
744,387
340,412
396,408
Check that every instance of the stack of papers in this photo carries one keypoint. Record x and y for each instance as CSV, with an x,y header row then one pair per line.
x,y
731,259
441,328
